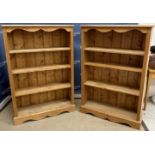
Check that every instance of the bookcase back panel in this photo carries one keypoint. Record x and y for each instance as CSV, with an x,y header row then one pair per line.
x,y
121,100
133,39
113,76
20,39
41,78
39,98
39,59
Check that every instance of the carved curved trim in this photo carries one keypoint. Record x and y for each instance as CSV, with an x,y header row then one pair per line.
x,y
112,118
40,115
116,29
35,29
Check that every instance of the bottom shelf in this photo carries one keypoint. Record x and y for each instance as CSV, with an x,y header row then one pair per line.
x,y
40,111
114,114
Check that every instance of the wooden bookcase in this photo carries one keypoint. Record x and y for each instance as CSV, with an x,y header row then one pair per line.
x,y
114,68
40,66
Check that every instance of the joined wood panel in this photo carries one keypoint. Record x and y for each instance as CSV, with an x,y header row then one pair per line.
x,y
49,60
40,61
64,60
57,60
21,61
114,74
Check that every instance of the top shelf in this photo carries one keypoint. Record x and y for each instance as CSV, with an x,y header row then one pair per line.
x,y
115,51
53,49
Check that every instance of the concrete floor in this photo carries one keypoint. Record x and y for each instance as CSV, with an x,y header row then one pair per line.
x,y
149,114
74,121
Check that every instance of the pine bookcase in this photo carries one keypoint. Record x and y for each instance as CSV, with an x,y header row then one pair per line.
x,y
40,66
114,68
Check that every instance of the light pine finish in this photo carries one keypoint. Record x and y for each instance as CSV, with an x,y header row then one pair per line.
x,y
117,51
114,114
40,50
41,70
34,90
114,66
144,76
113,87
40,111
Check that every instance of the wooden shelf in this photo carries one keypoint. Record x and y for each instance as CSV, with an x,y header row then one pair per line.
x,y
40,68
39,111
34,90
29,110
112,87
54,49
115,51
112,66
113,113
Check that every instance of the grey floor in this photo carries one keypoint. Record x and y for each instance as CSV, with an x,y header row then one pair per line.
x,y
149,114
74,121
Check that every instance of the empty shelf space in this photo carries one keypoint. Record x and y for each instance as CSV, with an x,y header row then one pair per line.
x,y
117,51
44,107
54,49
113,66
112,87
109,110
40,68
34,90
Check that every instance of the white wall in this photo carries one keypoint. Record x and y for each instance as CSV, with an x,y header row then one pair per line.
x,y
153,32
152,87
153,37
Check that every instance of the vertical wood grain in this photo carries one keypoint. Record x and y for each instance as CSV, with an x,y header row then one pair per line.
x,y
31,59
40,61
97,71
71,40
49,60
57,60
18,42
64,57
83,69
115,58
124,75
107,42
144,74
7,48
13,65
